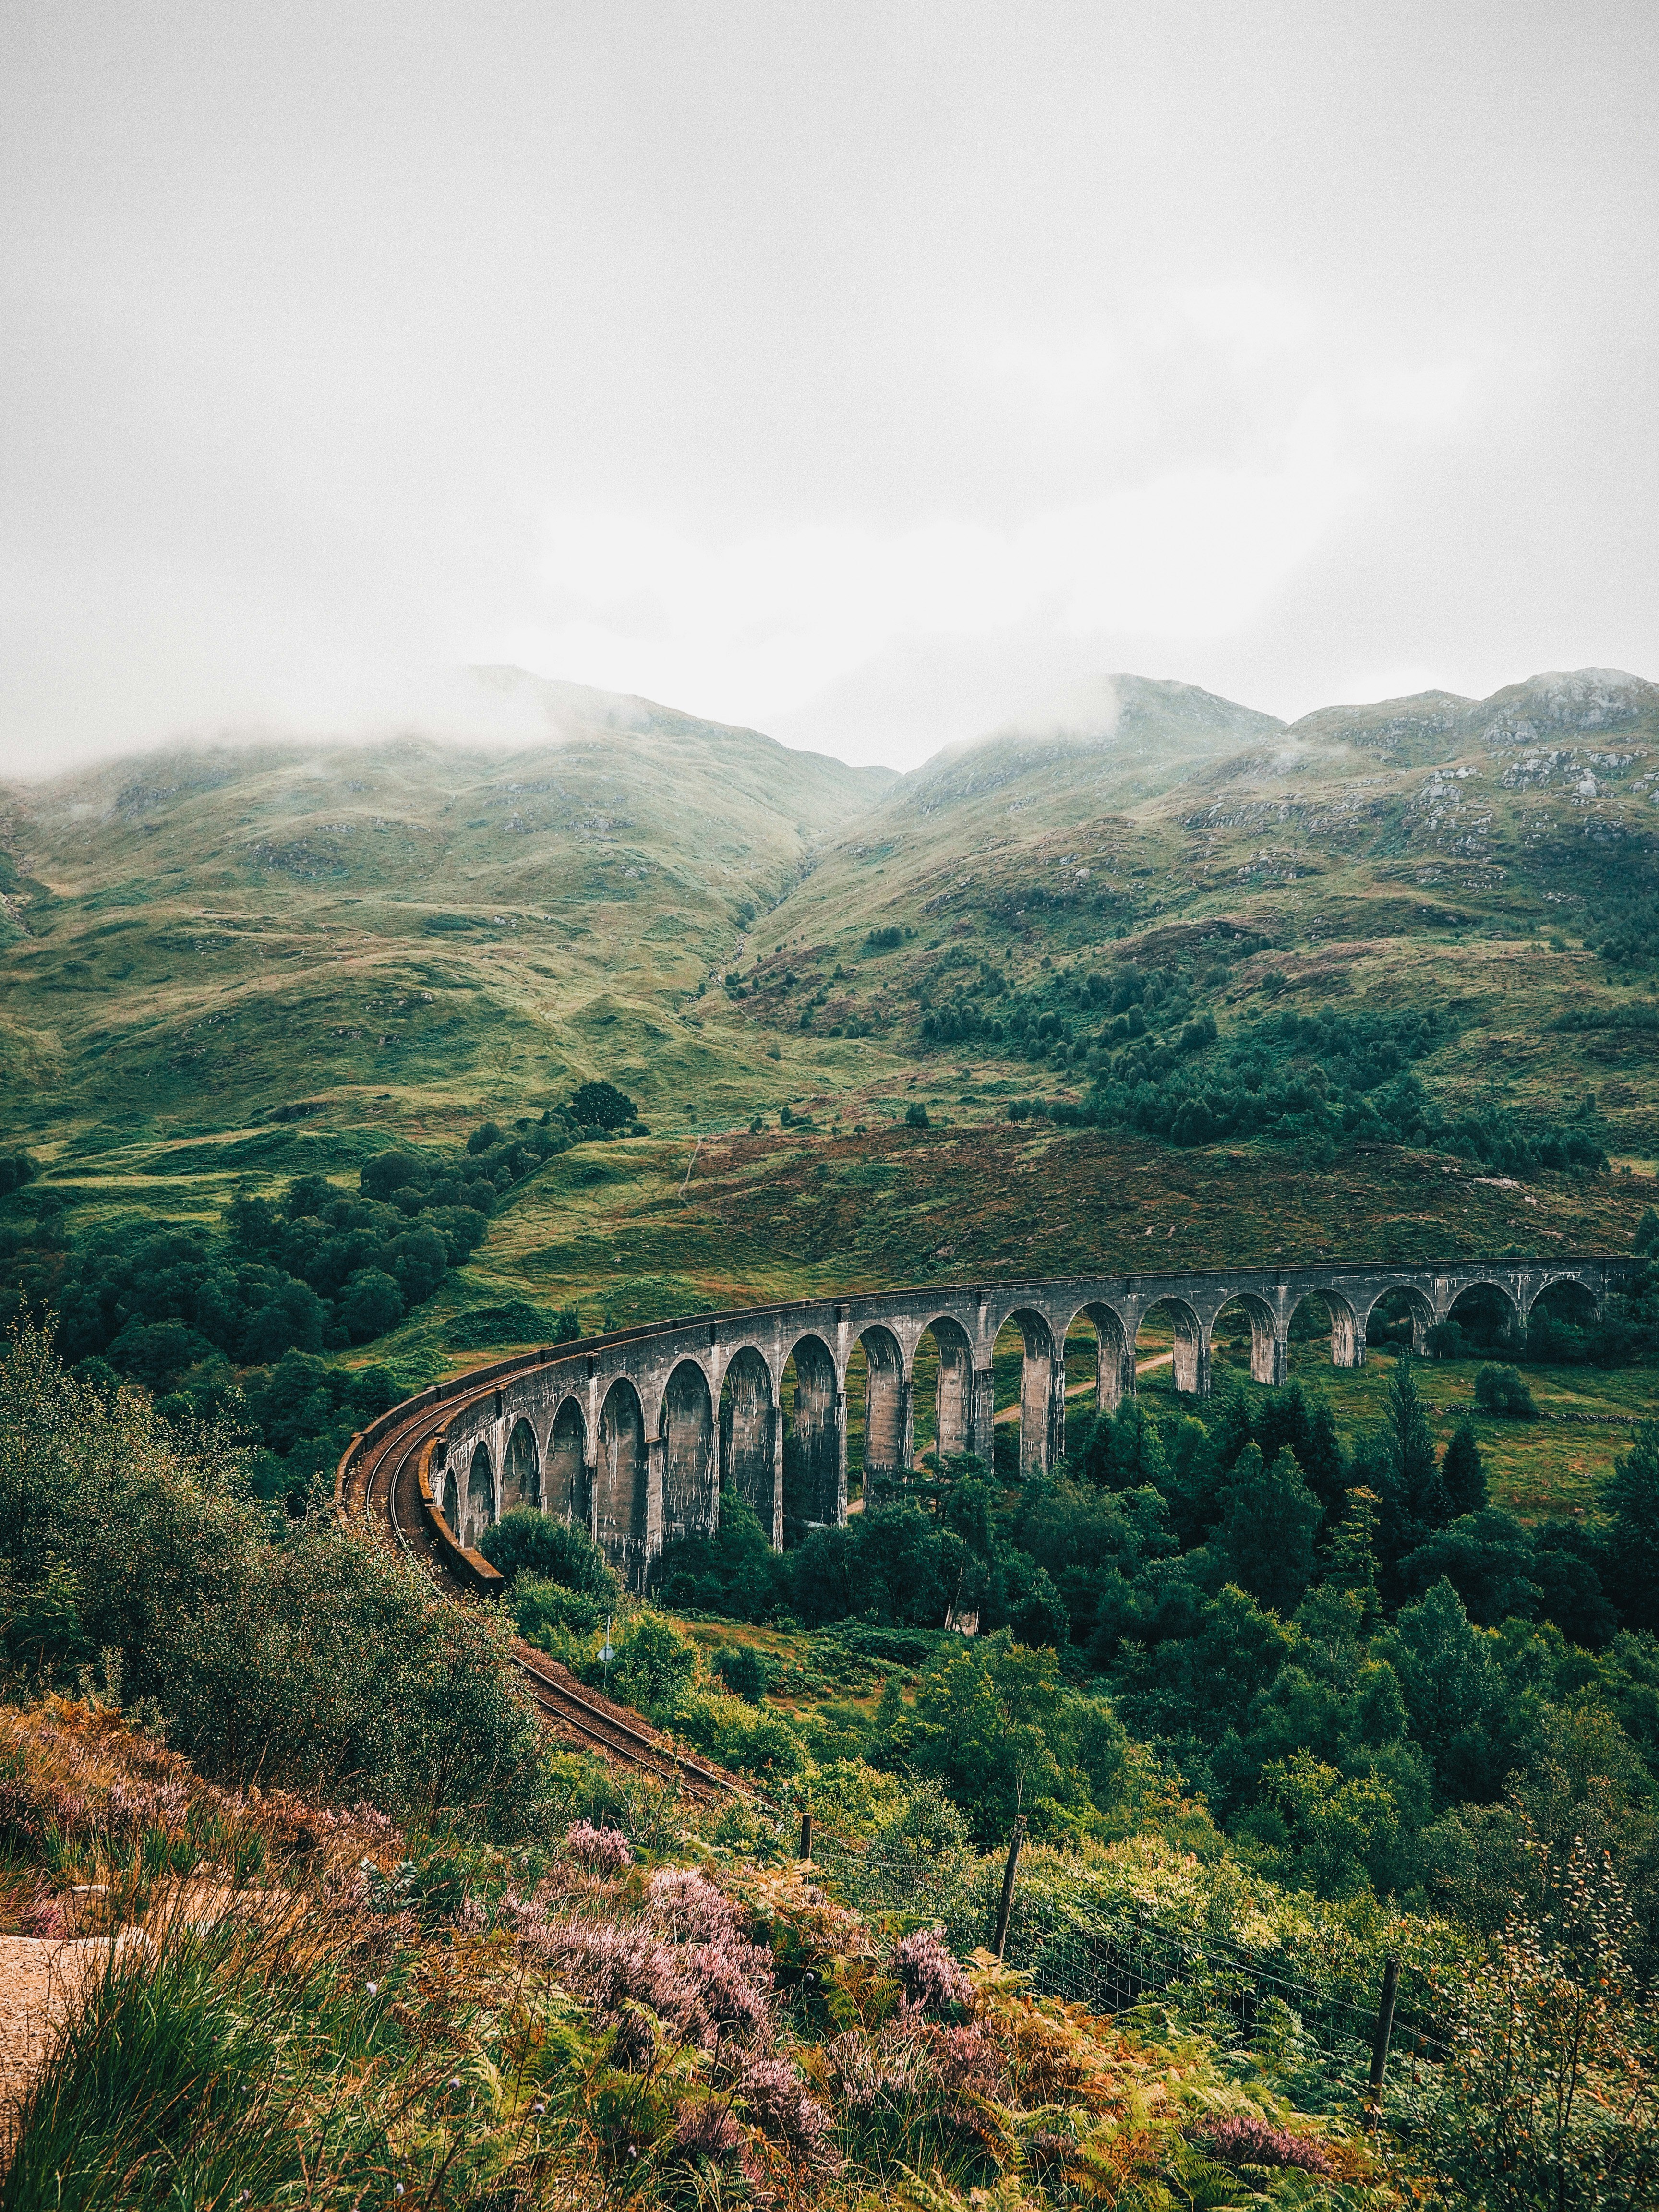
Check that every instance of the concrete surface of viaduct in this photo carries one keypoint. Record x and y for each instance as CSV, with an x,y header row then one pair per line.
x,y
637,1434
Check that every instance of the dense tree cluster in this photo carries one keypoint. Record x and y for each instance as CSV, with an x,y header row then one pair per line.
x,y
1626,927
233,1322
1355,1658
1317,1081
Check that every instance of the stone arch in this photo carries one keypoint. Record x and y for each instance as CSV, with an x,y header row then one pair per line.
x,y
1417,1305
952,1414
1042,1391
887,1431
478,1507
564,1487
1267,1361
814,1426
747,1439
1347,1338
690,1479
622,1480
522,1469
1491,1301
450,1508
1554,1277
1115,1371
1191,1344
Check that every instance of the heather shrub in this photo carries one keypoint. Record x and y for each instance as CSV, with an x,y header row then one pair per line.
x,y
932,1979
686,1905
1243,2139
601,1850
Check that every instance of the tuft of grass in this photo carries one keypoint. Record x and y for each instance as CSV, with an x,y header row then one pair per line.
x,y
214,2067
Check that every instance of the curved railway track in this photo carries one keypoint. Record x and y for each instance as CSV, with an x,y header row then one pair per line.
x,y
380,1489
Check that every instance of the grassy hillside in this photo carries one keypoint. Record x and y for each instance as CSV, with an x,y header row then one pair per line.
x,y
1494,861
200,941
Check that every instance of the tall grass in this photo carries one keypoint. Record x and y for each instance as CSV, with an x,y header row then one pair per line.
x,y
226,2066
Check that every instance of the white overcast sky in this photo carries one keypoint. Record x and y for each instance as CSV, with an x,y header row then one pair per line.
x,y
869,373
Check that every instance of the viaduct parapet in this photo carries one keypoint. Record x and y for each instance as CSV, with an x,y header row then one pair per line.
x,y
637,1434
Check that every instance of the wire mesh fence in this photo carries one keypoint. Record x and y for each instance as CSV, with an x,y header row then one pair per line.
x,y
1116,1961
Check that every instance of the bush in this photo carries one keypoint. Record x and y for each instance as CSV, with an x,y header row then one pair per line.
x,y
1444,1341
1501,1390
744,1671
915,1116
549,1614
307,1657
527,1542
655,1662
735,1571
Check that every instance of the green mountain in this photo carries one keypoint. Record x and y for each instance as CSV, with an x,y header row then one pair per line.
x,y
1495,857
200,937
226,965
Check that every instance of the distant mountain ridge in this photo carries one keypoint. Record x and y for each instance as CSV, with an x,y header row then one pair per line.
x,y
1125,710
563,895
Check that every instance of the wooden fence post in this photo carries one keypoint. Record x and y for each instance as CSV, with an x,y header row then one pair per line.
x,y
805,1852
1005,1910
1379,2041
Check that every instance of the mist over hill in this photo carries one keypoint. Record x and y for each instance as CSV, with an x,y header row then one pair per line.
x,y
209,931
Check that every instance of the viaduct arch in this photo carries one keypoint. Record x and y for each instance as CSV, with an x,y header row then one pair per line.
x,y
638,1434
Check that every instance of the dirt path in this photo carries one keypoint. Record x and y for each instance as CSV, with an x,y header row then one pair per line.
x,y
39,1978
1087,1389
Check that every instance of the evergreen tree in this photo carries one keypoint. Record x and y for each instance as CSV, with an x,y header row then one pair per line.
x,y
1462,1476
1632,1500
1231,1431
1287,1421
1353,1551
1125,1452
1265,1539
1194,1479
1410,1450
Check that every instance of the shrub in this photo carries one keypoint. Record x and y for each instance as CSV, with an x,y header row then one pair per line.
x,y
655,1662
1243,2139
545,1611
735,1571
527,1542
933,1980
1502,1390
602,1850
915,1116
744,1671
309,1657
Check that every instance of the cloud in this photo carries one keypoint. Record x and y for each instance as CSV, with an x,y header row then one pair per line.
x,y
1247,449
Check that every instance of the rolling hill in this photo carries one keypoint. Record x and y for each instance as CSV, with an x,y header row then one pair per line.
x,y
224,965
1427,851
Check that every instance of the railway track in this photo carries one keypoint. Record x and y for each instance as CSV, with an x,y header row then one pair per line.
x,y
380,1490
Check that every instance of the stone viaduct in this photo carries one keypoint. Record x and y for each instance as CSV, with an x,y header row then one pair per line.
x,y
637,1434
